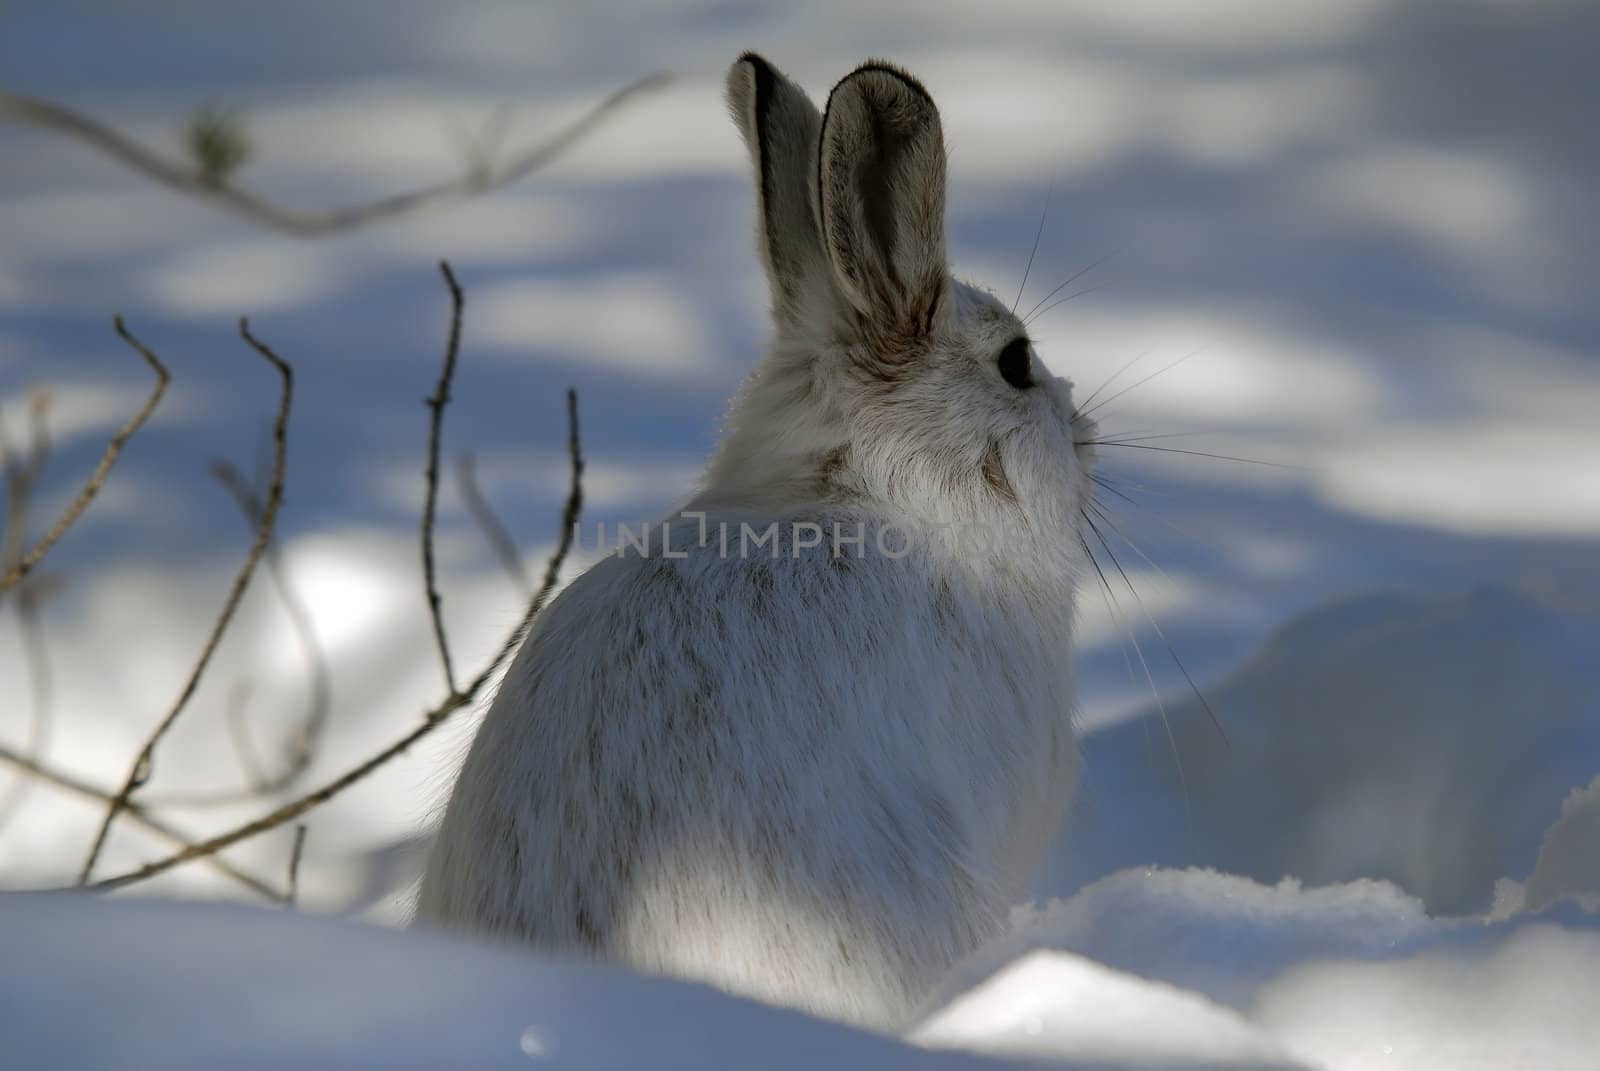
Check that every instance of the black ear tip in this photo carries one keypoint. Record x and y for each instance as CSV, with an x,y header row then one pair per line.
x,y
756,60
750,83
879,67
760,83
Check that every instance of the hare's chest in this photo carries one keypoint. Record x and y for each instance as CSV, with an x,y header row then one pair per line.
x,y
1004,738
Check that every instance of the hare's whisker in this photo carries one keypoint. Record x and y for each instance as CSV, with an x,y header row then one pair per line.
x,y
1150,679
1140,437
1114,377
1160,371
1034,251
1074,277
1100,511
1060,301
1108,599
1191,453
1107,484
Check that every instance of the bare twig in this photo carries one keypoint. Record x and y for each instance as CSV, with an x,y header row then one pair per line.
x,y
243,747
22,476
480,176
41,692
569,512
98,477
295,851
135,812
494,530
479,147
141,769
436,403
431,720
302,746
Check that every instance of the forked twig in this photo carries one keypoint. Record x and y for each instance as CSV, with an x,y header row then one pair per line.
x,y
135,813
457,699
97,478
479,177
141,769
22,482
431,720
302,747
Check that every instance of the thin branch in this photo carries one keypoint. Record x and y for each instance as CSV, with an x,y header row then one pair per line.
x,y
98,477
295,851
301,748
431,720
490,524
436,404
478,178
22,477
141,769
569,512
41,693
244,749
136,813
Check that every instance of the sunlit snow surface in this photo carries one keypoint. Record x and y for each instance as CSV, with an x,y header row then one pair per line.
x,y
1371,221
1189,969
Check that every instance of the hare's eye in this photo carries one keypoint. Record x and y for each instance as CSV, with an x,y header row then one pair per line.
x,y
1016,366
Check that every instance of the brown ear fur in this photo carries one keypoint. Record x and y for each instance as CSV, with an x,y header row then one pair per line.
x,y
781,128
881,182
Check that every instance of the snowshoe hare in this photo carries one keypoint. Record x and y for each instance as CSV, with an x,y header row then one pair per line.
x,y
810,743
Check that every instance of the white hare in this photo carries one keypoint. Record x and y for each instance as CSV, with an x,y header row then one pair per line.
x,y
814,763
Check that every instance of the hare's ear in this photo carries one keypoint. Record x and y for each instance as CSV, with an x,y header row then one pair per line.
x,y
780,126
880,177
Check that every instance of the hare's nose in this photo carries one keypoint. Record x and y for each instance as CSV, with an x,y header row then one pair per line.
x,y
1061,395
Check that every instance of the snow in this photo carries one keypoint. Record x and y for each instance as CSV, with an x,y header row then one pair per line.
x,y
187,986
1569,856
1052,1004
1524,1001
1429,739
1375,216
1145,969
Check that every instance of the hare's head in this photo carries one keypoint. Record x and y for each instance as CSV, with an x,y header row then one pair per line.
x,y
889,380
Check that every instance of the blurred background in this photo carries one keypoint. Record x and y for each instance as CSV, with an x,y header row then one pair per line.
x,y
1368,227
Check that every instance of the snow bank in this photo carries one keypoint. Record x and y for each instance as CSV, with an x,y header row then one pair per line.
x,y
1144,969
1569,859
1523,1000
1051,1003
184,986
1424,739
1348,976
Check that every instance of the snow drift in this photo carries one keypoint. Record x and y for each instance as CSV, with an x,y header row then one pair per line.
x,y
1143,969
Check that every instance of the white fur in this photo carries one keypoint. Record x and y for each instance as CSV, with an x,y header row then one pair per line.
x,y
822,778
